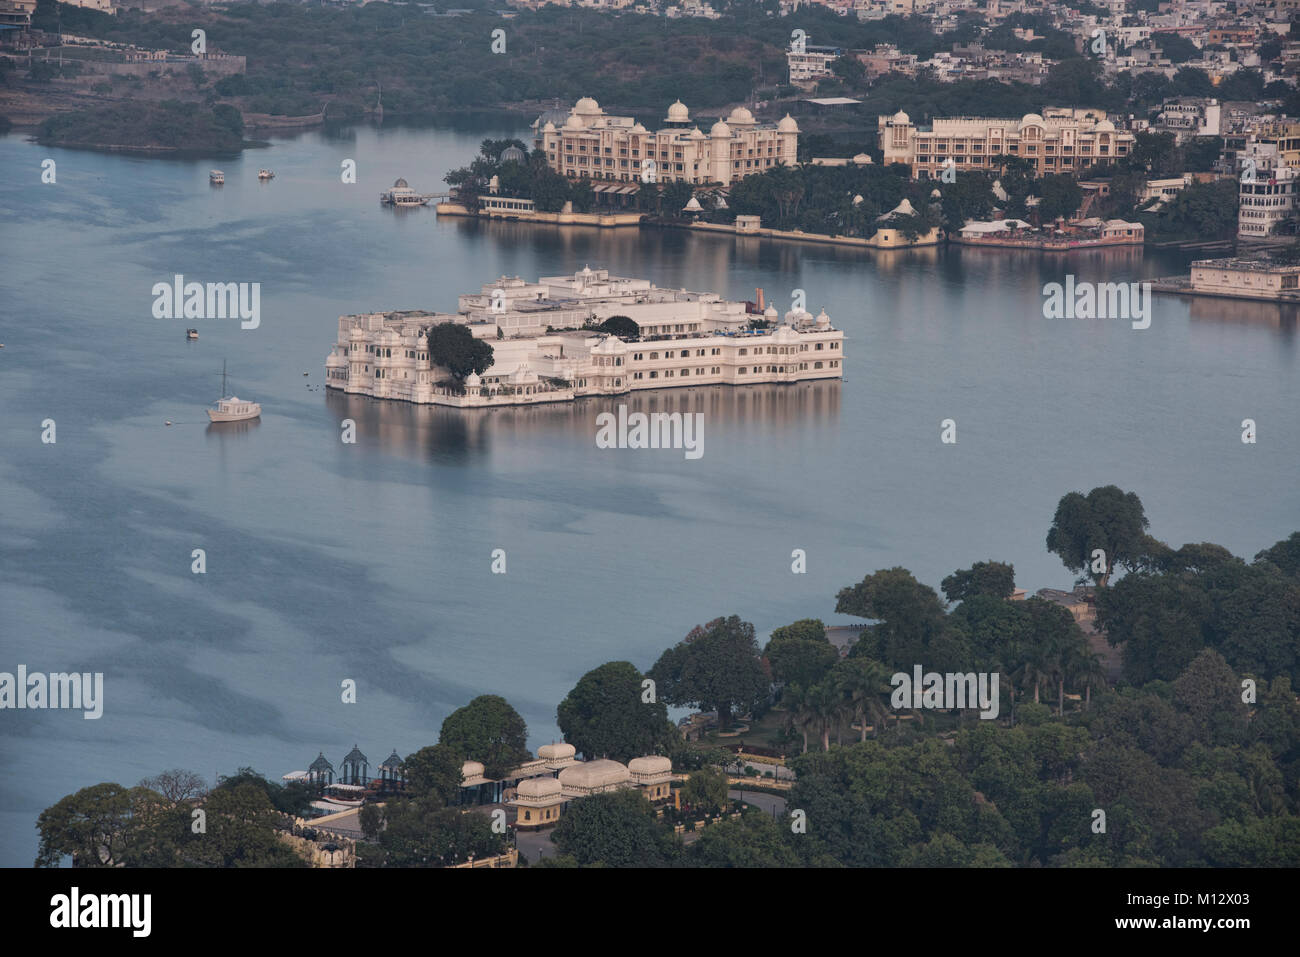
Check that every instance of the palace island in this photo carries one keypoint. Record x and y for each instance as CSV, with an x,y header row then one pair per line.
x,y
590,333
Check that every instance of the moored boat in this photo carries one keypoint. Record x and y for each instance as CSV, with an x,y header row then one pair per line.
x,y
191,333
231,408
216,177
265,174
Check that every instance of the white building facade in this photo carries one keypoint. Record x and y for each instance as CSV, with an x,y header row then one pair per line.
x,y
545,349
592,144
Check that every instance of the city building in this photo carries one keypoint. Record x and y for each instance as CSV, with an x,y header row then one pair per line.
x,y
1058,141
1267,191
546,347
811,63
1246,279
590,143
1187,117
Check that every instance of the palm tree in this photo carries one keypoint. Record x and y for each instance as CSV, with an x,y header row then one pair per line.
x,y
1084,667
825,705
797,714
862,681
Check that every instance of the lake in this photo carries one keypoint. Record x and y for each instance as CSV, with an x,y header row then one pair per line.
x,y
372,561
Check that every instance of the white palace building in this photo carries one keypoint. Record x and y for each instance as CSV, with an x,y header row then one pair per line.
x,y
545,348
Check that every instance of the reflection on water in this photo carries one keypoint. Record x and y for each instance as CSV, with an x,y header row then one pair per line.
x,y
222,430
1283,315
454,434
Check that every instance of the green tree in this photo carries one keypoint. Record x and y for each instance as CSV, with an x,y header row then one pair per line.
x,y
454,347
605,716
620,326
706,790
1108,520
755,840
995,579
435,773
487,730
418,833
104,825
615,829
716,667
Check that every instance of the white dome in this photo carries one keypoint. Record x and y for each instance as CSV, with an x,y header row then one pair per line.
x,y
1031,119
771,313
471,769
587,107
472,380
573,123
638,128
901,117
823,319
593,774
741,116
549,127
720,129
695,134
1105,126
650,764
678,113
542,787
787,125
554,752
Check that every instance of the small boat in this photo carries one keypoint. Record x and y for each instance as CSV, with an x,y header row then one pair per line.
x,y
265,174
230,408
217,178
191,333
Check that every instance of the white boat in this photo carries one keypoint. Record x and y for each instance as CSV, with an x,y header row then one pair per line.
x,y
402,195
230,408
265,174
191,333
216,177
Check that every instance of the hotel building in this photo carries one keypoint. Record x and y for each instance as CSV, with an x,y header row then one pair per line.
x,y
590,143
1058,141
545,348
1246,279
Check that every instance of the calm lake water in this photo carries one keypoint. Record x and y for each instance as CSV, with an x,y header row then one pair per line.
x,y
371,561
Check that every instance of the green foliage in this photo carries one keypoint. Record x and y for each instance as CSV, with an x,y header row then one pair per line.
x,y
620,326
421,833
169,125
1201,597
1107,519
455,348
615,829
716,667
434,773
994,579
110,826
755,840
487,730
294,798
604,715
706,790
